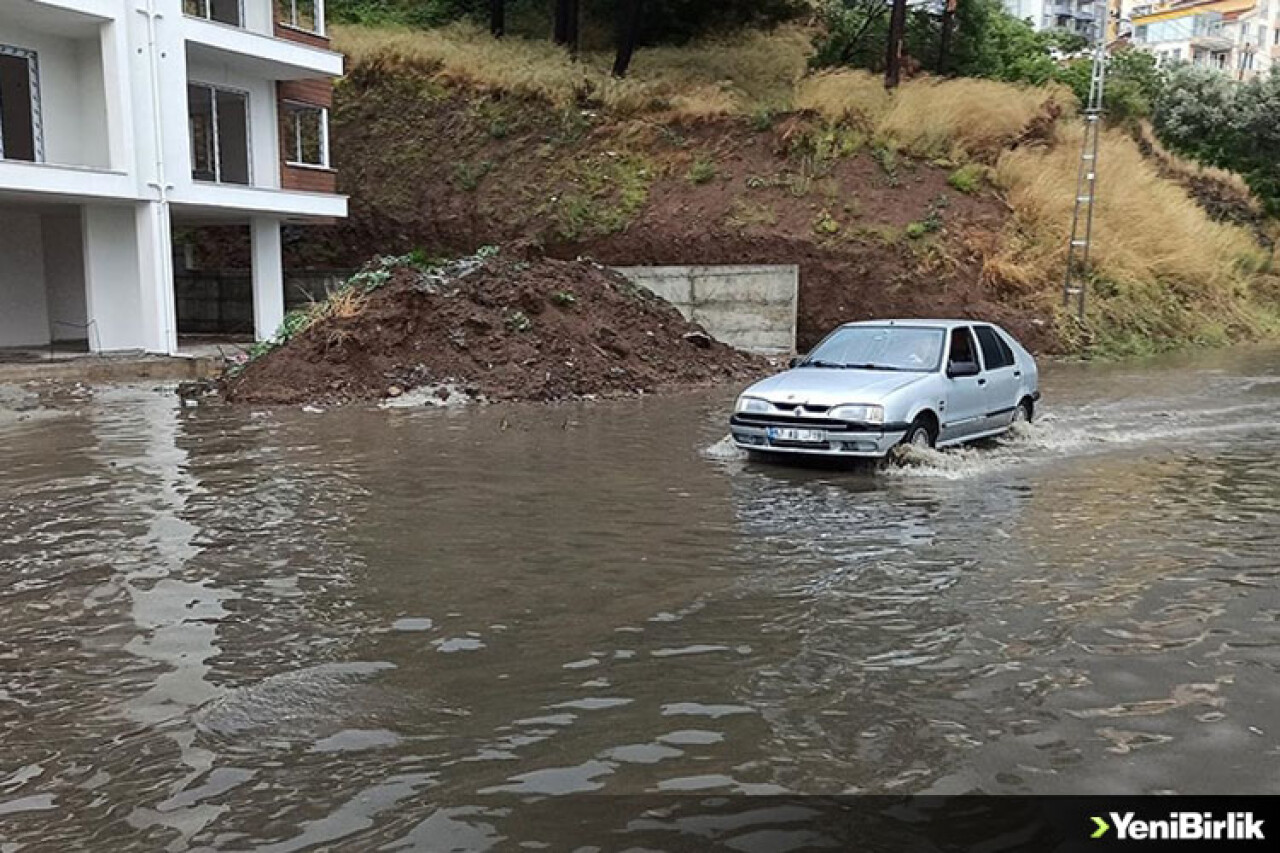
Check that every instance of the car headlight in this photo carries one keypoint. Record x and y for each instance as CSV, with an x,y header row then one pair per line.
x,y
753,404
861,414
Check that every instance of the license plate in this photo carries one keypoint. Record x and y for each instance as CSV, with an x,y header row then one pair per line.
x,y
800,436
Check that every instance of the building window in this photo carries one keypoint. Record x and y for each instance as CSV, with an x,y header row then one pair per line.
x,y
219,122
306,135
300,14
20,132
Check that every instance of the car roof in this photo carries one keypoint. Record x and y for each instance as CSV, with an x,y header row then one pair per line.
x,y
933,324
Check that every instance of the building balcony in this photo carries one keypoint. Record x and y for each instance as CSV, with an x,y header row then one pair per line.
x,y
214,201
256,54
1214,43
24,181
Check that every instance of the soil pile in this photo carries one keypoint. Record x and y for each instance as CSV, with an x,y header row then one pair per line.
x,y
511,327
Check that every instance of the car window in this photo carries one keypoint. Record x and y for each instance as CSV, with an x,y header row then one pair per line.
x,y
962,347
995,353
908,348
1004,348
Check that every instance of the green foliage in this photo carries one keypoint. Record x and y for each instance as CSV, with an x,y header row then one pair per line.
x,y
564,298
412,13
664,22
968,178
1134,82
703,171
986,42
1203,114
518,321
763,119
826,225
469,175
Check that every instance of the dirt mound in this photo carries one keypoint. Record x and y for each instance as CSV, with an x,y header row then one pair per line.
x,y
511,327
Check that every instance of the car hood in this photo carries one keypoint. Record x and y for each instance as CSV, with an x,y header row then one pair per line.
x,y
830,386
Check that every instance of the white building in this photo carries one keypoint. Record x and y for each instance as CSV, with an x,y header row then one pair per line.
x,y
1238,37
1077,16
121,120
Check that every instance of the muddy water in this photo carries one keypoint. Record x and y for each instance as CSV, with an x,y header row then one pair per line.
x,y
238,630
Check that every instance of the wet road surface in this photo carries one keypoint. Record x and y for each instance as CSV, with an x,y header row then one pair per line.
x,y
240,629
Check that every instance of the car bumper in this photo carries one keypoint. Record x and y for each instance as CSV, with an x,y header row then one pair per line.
x,y
870,443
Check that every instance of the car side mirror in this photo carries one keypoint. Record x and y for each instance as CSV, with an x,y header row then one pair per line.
x,y
958,369
795,359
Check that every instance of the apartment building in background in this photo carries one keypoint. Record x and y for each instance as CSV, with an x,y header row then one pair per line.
x,y
1241,38
123,120
1078,16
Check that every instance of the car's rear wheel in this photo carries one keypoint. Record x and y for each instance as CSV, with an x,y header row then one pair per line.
x,y
920,434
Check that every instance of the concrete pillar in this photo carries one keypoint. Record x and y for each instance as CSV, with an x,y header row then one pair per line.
x,y
128,278
155,254
24,317
268,277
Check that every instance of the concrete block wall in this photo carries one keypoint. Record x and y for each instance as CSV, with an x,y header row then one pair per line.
x,y
750,307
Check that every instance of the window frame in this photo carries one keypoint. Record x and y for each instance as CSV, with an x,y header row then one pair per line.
x,y
973,347
207,5
217,143
291,19
37,117
1002,349
293,157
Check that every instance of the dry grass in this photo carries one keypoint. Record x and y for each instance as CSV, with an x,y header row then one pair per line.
x,y
1161,268
930,117
734,76
966,117
857,96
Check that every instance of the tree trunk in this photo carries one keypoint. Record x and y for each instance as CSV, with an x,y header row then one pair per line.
x,y
560,32
628,34
497,18
893,57
573,26
944,43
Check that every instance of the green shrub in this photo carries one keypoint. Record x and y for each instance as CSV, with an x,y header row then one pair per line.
x,y
703,171
967,179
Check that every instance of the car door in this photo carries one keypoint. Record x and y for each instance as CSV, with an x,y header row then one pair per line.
x,y
966,400
1002,384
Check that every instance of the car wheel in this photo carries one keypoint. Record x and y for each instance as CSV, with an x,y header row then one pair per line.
x,y
920,434
1022,414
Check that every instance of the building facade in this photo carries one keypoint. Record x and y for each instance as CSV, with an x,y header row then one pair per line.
x,y
123,120
1241,38
1078,16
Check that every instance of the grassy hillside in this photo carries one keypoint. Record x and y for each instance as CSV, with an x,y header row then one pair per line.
x,y
944,197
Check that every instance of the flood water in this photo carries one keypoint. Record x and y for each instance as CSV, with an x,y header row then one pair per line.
x,y
239,629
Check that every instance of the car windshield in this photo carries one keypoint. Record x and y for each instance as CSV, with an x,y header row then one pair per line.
x,y
879,348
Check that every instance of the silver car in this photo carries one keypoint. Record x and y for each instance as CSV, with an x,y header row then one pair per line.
x,y
871,386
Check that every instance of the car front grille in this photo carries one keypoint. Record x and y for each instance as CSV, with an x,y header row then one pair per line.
x,y
780,420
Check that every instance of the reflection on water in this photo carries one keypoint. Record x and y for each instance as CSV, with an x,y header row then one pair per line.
x,y
238,630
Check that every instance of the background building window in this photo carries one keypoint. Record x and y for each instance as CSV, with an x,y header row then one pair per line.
x,y
300,14
222,11
306,135
20,136
219,123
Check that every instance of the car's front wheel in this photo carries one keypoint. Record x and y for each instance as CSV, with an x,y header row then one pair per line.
x,y
1022,414
920,434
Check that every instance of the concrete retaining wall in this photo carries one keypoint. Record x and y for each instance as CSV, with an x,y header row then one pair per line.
x,y
750,307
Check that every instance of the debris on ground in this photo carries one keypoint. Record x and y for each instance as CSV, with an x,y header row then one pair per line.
x,y
496,326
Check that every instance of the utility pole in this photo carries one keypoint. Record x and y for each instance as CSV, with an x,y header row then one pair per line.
x,y
1073,286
